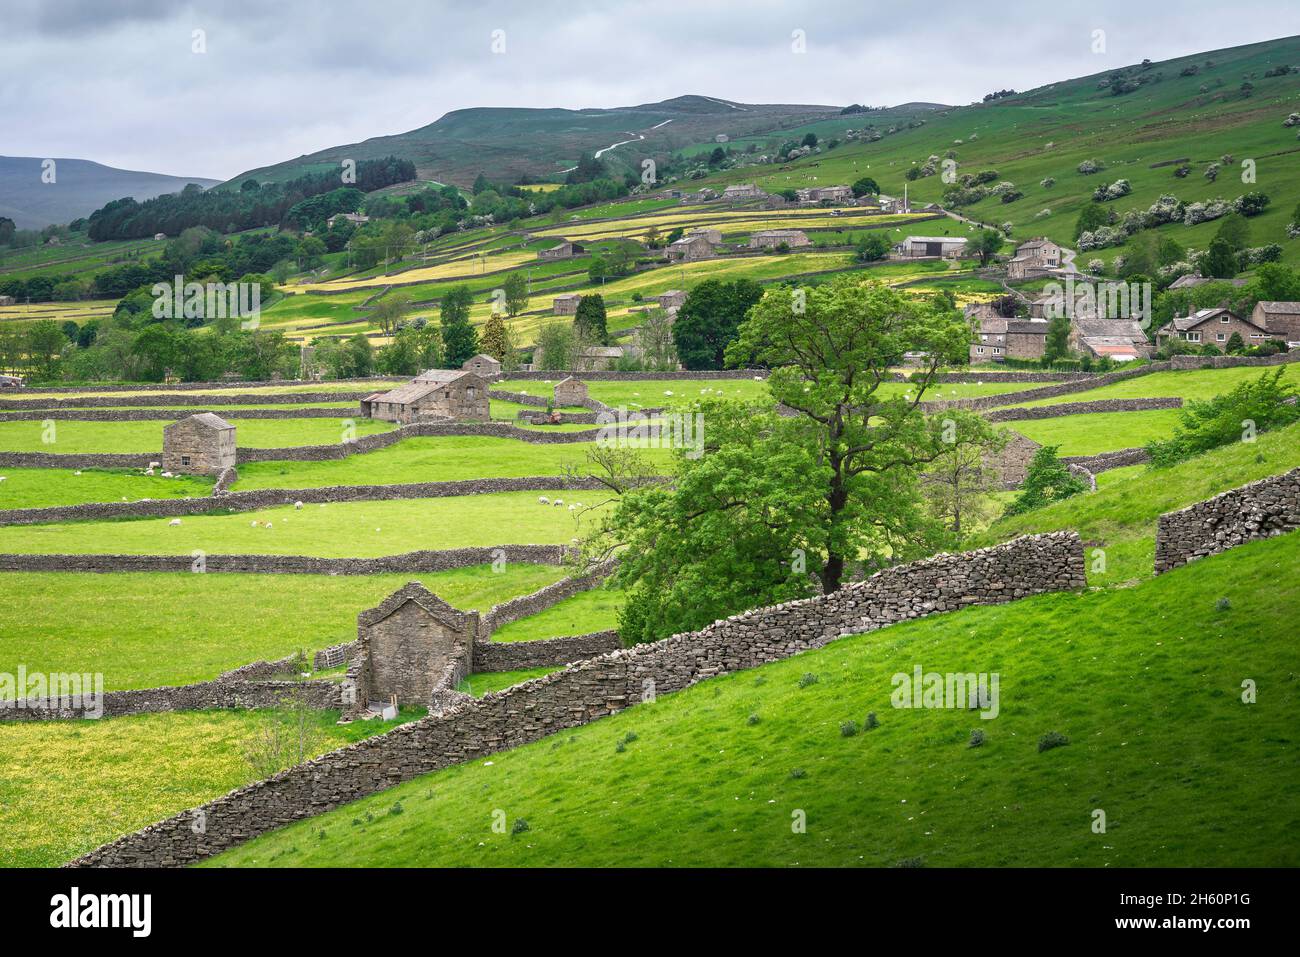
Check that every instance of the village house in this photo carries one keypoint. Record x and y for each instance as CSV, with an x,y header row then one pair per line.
x,y
819,194
1192,280
482,365
772,238
672,299
202,444
565,304
982,310
565,250
1281,319
436,394
1121,340
7,300
690,248
743,191
1034,259
990,340
356,219
713,236
1212,327
10,382
916,247
570,391
159,237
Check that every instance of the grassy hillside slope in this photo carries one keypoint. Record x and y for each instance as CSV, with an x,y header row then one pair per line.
x,y
1148,693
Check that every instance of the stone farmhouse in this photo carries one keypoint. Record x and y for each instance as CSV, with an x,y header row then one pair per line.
x,y
7,301
1212,327
482,365
565,250
566,304
690,248
999,339
570,391
202,444
672,299
832,194
916,247
1122,340
436,394
743,191
1281,319
1033,259
714,236
356,219
772,238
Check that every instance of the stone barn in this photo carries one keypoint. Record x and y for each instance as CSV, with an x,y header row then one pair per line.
x,y
435,394
202,444
411,645
570,391
566,304
483,365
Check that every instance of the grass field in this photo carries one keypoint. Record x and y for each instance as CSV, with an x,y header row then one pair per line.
x,y
1099,431
67,787
1143,682
78,435
440,459
1122,513
1192,384
480,684
588,611
38,488
143,630
336,530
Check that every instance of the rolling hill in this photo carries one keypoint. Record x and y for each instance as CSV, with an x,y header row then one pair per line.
x,y
507,143
80,187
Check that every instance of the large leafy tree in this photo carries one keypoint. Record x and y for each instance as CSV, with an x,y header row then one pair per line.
x,y
777,505
495,340
987,243
515,290
707,321
589,322
459,340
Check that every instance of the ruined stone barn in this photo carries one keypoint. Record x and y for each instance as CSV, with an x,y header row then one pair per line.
x,y
570,391
410,645
436,394
202,444
565,250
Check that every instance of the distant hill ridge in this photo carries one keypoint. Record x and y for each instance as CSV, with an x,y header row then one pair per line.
x,y
79,188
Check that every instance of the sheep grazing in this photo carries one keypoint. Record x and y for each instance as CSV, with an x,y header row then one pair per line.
x,y
572,507
174,521
256,523
167,475
267,525
298,506
4,478
559,501
78,472
543,500
148,471
155,465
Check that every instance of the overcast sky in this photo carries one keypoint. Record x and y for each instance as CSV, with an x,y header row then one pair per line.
x,y
118,81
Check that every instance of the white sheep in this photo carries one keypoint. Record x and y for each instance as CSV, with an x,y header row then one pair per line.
x,y
543,500
174,521
559,501
167,475
148,471
78,472
155,465
572,507
256,523
268,525
4,478
298,506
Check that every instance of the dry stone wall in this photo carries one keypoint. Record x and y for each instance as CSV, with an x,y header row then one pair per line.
x,y
185,400
421,561
255,499
546,652
543,598
1261,509
596,687
1082,408
221,693
170,415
